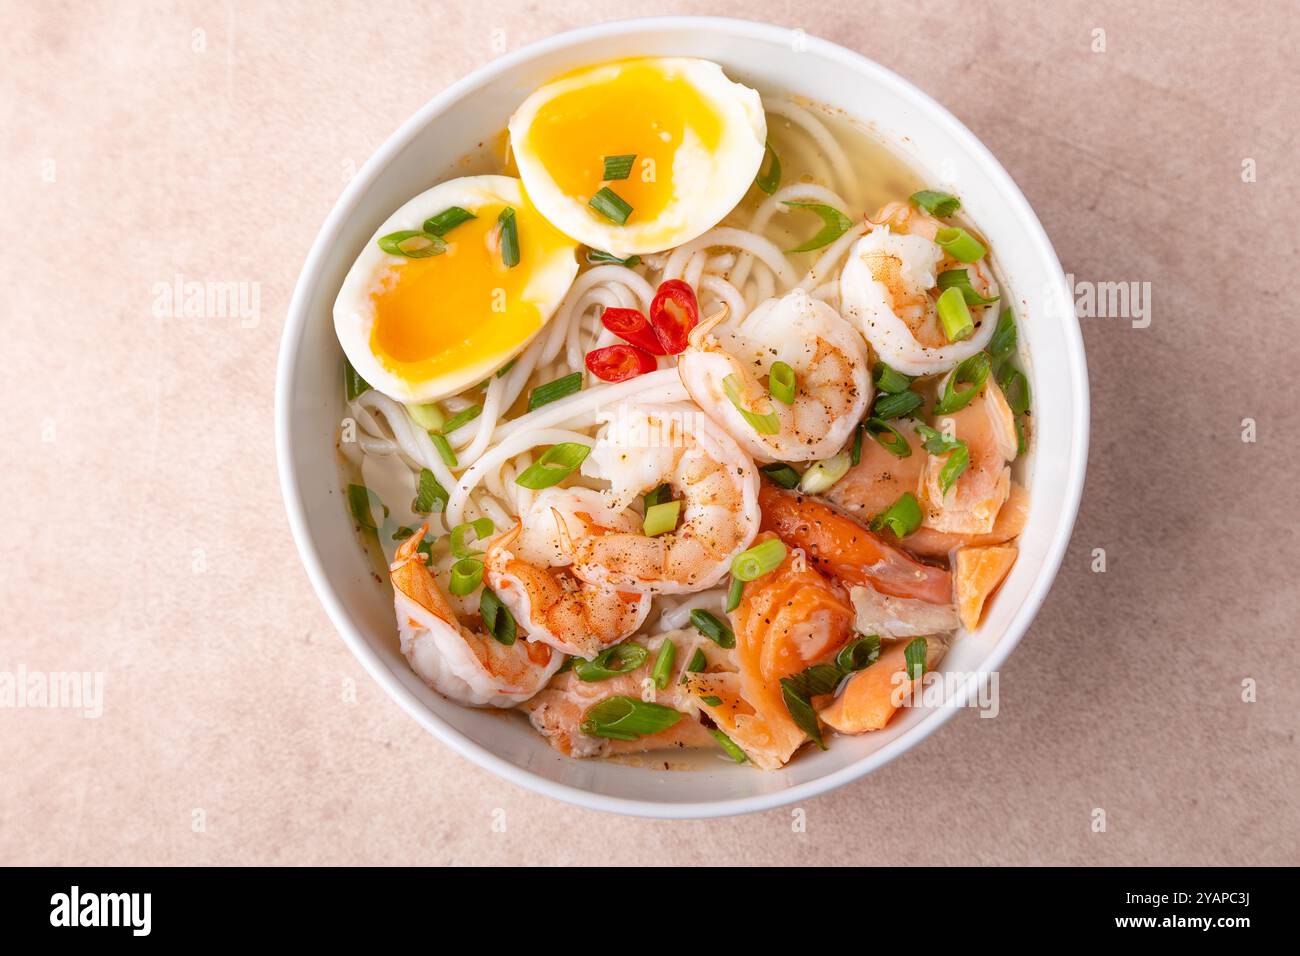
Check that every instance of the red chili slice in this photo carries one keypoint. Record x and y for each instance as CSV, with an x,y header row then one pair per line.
x,y
631,326
618,363
673,313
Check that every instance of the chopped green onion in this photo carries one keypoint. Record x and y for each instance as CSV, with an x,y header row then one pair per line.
x,y
611,662
366,507
914,654
734,593
1013,383
466,575
781,382
696,664
819,478
855,450
798,690
658,496
954,315
960,244
403,533
764,424
958,461
781,473
551,391
462,418
903,517
715,630
430,497
858,653
412,244
503,371
974,371
890,380
663,668
447,220
936,203
896,405
444,449
497,618
554,465
429,417
566,666
770,180
888,437
595,256
618,167
729,745
354,386
959,279
482,528
627,718
713,700
610,205
758,560
935,441
509,237
1020,436
1003,343
661,518
834,225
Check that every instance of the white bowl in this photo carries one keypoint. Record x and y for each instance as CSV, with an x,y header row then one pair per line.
x,y
309,403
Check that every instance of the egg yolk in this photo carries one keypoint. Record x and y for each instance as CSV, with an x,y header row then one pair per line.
x,y
644,110
464,308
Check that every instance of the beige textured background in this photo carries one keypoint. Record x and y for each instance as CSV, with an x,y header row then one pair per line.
x,y
130,441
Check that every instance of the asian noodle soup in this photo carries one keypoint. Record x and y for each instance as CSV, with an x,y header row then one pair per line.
x,y
687,426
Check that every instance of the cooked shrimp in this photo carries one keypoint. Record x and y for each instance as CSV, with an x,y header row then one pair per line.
x,y
988,427
454,660
642,447
786,620
888,288
526,567
558,711
830,362
844,549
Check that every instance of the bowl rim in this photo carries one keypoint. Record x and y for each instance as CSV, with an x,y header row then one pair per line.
x,y
296,323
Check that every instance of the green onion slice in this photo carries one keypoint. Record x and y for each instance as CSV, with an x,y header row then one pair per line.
x,y
661,518
859,653
798,691
781,473
663,669
935,441
764,424
896,405
595,257
890,380
429,417
366,507
610,205
888,437
903,517
729,745
497,617
1013,383
447,220
960,244
466,575
611,662
758,560
444,449
914,654
957,463
462,418
713,700
412,244
734,593
354,386
482,528
954,315
658,496
715,630
627,718
555,464
936,203
551,391
959,279
781,382
821,475
855,450
834,225
769,181
1003,343
973,372
696,664
618,167
430,497
509,237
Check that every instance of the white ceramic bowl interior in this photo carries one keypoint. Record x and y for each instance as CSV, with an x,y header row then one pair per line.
x,y
428,149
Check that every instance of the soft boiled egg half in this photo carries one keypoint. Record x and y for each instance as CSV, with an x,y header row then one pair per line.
x,y
639,155
451,287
